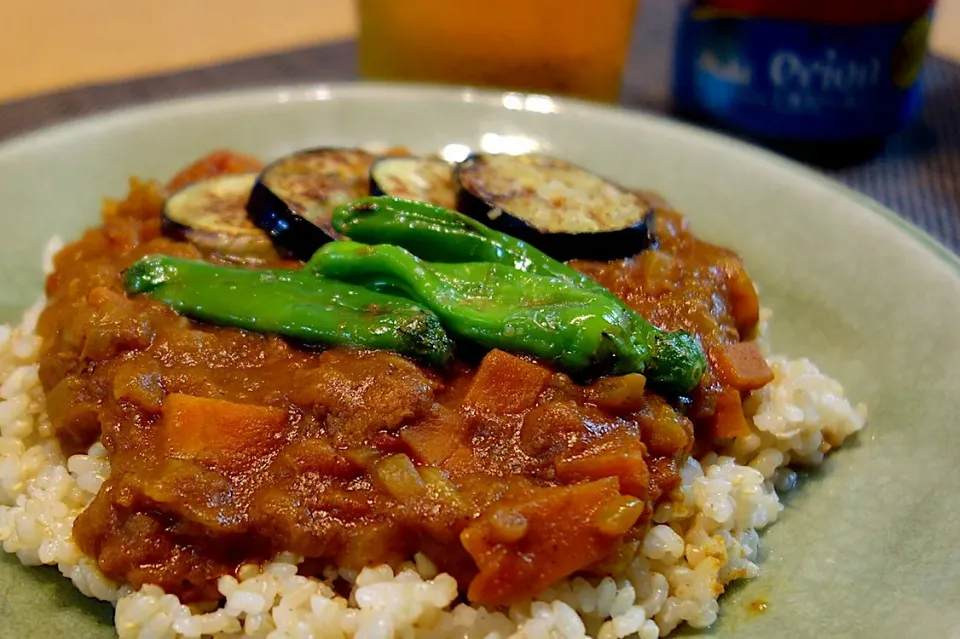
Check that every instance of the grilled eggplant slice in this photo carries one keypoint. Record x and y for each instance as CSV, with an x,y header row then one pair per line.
x,y
210,215
424,179
562,209
294,197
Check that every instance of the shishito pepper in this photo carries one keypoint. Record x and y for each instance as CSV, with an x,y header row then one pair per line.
x,y
436,234
674,361
296,304
498,306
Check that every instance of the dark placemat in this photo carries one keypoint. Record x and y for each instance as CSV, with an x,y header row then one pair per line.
x,y
917,175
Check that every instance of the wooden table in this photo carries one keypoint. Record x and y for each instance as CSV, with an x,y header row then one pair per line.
x,y
53,44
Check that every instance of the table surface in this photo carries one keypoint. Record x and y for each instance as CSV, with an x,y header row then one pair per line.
x,y
918,174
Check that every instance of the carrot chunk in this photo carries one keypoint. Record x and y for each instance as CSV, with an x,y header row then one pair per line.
x,y
745,304
728,419
741,366
554,532
618,455
506,384
435,438
219,431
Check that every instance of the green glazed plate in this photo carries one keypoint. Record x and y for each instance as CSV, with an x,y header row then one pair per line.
x,y
868,547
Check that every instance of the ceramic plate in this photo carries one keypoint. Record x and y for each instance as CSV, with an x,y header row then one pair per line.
x,y
867,547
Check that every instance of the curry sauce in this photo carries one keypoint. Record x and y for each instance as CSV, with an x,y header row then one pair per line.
x,y
229,446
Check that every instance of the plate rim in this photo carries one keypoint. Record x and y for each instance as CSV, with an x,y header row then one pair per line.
x,y
332,91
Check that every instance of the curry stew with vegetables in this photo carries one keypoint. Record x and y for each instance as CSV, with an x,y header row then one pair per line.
x,y
509,471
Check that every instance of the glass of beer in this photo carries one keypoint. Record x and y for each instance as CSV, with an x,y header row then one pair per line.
x,y
573,48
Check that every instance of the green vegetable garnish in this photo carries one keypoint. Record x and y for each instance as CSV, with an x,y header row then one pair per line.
x,y
674,361
436,234
498,306
296,304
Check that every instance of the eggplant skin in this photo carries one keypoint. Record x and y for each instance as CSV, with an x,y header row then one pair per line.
x,y
293,236
210,215
425,179
294,196
562,209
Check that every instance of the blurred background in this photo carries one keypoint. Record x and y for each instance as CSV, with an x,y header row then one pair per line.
x,y
883,127
55,44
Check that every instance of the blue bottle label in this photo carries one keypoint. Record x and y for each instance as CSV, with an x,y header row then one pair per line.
x,y
790,80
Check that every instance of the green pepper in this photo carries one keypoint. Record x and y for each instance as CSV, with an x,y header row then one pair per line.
x,y
297,304
498,306
436,234
676,361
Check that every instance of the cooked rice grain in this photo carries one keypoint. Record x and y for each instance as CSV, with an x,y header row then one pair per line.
x,y
703,537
